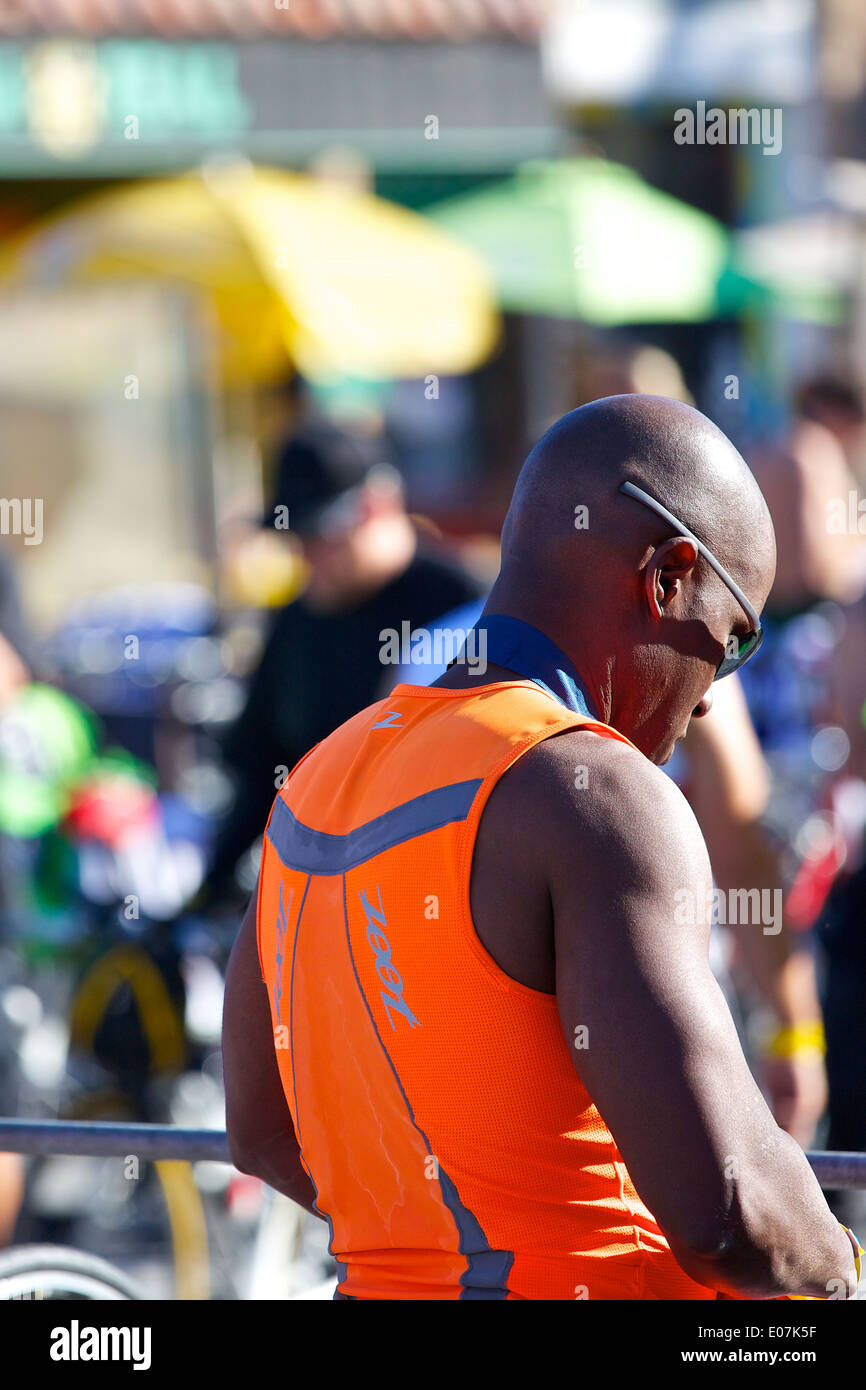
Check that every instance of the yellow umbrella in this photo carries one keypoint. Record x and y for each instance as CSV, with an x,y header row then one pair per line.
x,y
340,281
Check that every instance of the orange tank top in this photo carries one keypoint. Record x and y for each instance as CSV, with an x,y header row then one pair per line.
x,y
440,1115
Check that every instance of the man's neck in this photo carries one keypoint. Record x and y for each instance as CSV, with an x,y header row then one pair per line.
x,y
515,649
577,647
461,676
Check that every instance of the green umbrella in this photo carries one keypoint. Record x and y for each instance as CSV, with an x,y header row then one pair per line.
x,y
587,239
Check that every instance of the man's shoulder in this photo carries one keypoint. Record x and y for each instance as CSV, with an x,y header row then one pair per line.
x,y
614,767
577,788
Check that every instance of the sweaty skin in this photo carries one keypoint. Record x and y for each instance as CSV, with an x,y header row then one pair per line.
x,y
575,880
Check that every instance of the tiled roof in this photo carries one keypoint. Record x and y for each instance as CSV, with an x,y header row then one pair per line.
x,y
456,20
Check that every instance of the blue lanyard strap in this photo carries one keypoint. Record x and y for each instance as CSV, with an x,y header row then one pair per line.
x,y
522,648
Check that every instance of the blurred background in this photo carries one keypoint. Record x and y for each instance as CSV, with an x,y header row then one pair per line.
x,y
287,292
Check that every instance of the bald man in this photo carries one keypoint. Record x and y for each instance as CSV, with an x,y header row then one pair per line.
x,y
471,1020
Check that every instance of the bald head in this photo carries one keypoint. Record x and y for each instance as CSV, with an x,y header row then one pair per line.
x,y
670,450
580,557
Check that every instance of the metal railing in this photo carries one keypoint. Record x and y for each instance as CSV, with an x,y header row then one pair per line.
x,y
98,1139
101,1139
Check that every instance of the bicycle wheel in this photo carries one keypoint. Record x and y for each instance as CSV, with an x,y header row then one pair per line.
x,y
58,1272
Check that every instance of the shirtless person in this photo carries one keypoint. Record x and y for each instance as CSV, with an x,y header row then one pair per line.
x,y
466,995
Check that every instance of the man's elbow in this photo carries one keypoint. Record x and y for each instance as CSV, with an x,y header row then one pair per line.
x,y
273,1158
728,1263
248,1143
241,1149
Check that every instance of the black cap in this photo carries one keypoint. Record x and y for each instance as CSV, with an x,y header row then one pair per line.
x,y
320,466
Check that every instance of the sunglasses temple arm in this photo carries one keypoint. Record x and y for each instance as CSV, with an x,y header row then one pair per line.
x,y
641,496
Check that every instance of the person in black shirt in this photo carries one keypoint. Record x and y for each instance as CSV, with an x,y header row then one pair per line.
x,y
323,658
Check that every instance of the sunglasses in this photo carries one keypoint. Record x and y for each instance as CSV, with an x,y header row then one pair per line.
x,y
744,648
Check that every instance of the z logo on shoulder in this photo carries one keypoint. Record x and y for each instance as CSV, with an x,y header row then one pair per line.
x,y
390,721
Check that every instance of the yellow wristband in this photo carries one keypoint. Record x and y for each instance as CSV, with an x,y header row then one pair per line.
x,y
860,1252
797,1040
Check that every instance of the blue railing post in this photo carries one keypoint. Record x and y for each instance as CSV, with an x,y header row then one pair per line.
x,y
100,1139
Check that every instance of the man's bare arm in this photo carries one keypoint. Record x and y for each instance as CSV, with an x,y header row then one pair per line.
x,y
627,868
728,788
260,1132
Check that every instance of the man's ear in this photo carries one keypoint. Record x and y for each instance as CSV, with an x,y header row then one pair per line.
x,y
670,564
